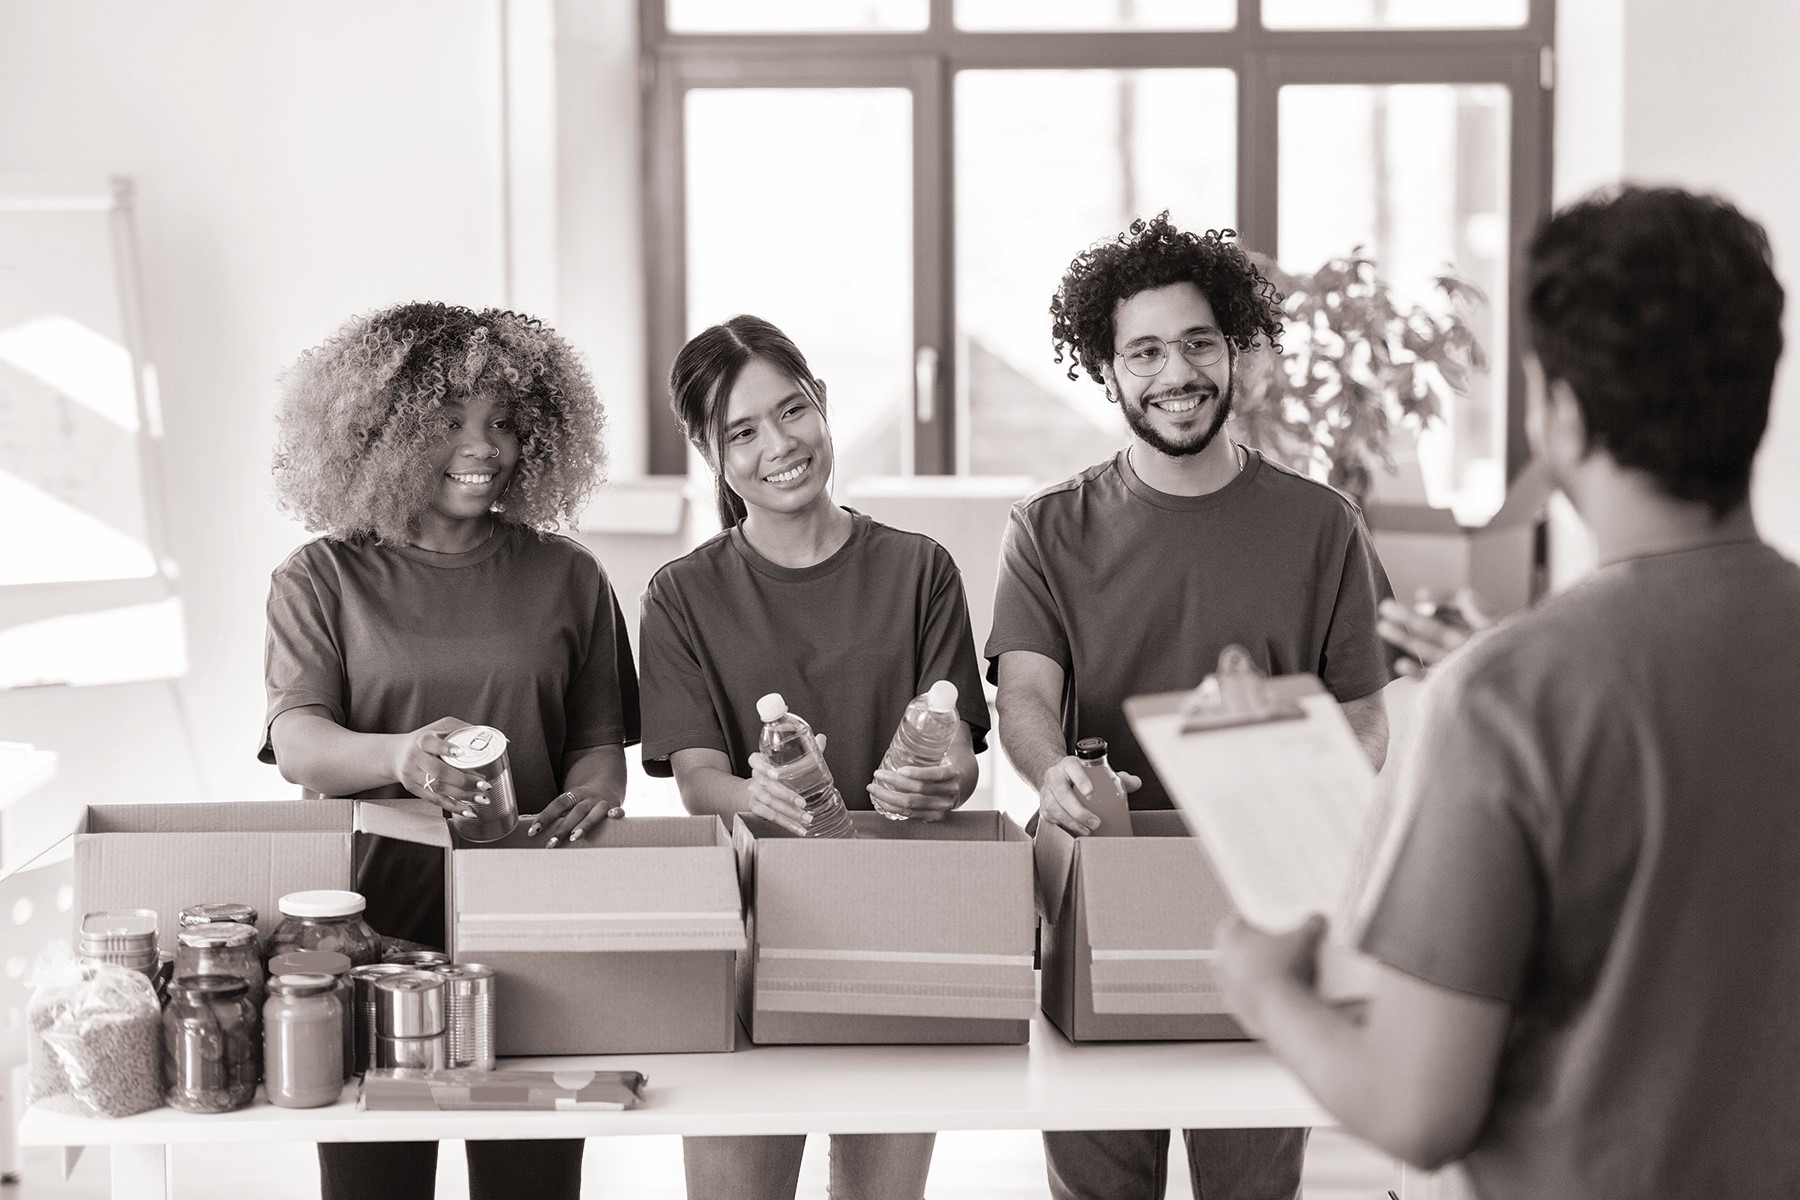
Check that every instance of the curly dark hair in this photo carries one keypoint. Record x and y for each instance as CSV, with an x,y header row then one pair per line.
x,y
360,414
1660,310
1153,254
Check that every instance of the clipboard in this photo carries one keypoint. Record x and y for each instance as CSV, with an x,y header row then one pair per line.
x,y
1278,791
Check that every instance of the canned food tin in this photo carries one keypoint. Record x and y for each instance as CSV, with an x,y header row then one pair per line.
x,y
409,1004
481,750
468,1015
424,959
415,1054
122,931
362,983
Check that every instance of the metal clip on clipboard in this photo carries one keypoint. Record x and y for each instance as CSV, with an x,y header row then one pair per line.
x,y
1238,694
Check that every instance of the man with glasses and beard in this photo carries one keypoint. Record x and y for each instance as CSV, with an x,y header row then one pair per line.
x,y
1132,576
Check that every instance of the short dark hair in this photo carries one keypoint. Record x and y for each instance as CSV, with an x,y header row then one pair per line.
x,y
1153,254
1660,310
701,379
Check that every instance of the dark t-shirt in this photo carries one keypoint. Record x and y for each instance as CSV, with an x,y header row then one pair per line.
x,y
1596,822
848,642
522,633
1133,591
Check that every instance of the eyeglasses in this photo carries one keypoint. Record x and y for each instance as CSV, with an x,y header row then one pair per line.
x,y
1145,359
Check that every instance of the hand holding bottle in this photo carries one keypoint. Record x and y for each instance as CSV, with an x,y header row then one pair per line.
x,y
921,793
1064,788
773,800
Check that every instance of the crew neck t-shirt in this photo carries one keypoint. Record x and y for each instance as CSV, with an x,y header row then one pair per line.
x,y
1134,591
848,642
1598,823
522,633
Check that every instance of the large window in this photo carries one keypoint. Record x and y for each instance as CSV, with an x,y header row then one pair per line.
x,y
901,183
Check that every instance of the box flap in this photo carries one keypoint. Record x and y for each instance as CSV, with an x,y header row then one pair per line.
x,y
631,898
409,820
247,816
902,925
1151,905
1053,860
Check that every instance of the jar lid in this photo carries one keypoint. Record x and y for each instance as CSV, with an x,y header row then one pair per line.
x,y
208,987
324,903
1089,749
474,746
121,929
215,934
201,914
301,983
310,962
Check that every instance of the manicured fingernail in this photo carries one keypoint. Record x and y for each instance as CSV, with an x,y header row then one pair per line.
x,y
533,831
482,800
482,785
469,812
806,817
576,836
551,844
615,813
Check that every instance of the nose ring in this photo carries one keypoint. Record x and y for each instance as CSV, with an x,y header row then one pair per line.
x,y
494,453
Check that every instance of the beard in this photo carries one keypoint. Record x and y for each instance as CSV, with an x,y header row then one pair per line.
x,y
1137,417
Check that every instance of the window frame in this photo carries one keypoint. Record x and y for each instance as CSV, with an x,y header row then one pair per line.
x,y
927,61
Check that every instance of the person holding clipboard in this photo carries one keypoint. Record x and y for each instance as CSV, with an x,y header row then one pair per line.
x,y
1134,575
1585,931
847,618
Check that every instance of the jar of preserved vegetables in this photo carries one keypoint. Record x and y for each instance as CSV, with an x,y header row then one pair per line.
x,y
326,920
222,948
210,1060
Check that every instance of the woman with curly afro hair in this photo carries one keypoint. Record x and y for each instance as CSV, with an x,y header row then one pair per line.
x,y
435,448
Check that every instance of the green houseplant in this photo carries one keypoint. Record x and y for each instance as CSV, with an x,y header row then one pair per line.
x,y
1356,366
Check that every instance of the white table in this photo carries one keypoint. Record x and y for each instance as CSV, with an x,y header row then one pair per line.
x,y
1049,1084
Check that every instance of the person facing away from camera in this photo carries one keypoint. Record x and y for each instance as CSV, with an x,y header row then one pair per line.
x,y
434,448
1134,575
847,618
1587,929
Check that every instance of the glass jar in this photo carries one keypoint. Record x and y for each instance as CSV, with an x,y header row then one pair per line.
x,y
303,1024
209,1056
326,920
222,948
201,914
336,967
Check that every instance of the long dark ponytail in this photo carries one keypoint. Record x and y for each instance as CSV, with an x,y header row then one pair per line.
x,y
701,380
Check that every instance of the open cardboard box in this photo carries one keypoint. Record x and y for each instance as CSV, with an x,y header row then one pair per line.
x,y
911,932
1128,935
632,952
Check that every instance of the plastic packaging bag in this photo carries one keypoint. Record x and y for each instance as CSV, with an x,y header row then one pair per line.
x,y
95,1040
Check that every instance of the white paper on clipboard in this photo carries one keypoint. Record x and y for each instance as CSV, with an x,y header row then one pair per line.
x,y
1282,809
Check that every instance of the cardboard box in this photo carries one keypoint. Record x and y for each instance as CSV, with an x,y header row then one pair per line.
x,y
1127,943
626,944
911,932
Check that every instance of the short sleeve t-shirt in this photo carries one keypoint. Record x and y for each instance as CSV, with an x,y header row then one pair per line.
x,y
1133,591
848,642
1596,824
522,633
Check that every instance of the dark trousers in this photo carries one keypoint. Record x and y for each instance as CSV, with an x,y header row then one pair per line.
x,y
1133,1164
534,1170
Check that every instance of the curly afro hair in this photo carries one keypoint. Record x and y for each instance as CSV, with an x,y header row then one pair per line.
x,y
359,417
1153,254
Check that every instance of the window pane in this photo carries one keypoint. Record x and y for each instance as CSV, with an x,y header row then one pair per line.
x,y
796,16
809,224
1394,14
1096,14
1047,162
1416,175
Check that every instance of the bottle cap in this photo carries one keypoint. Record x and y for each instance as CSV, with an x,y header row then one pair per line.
x,y
1090,749
303,984
218,935
771,707
941,697
326,903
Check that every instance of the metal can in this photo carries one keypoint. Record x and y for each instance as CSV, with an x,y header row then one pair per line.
x,y
409,1004
301,1042
428,960
411,1054
468,1015
362,986
122,937
481,750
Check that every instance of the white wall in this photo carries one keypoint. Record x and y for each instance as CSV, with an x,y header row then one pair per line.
x,y
295,163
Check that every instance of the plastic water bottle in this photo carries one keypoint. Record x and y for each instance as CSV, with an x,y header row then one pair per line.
x,y
923,739
1108,799
787,742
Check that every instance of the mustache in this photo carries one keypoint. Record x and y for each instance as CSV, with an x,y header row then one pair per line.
x,y
1181,393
